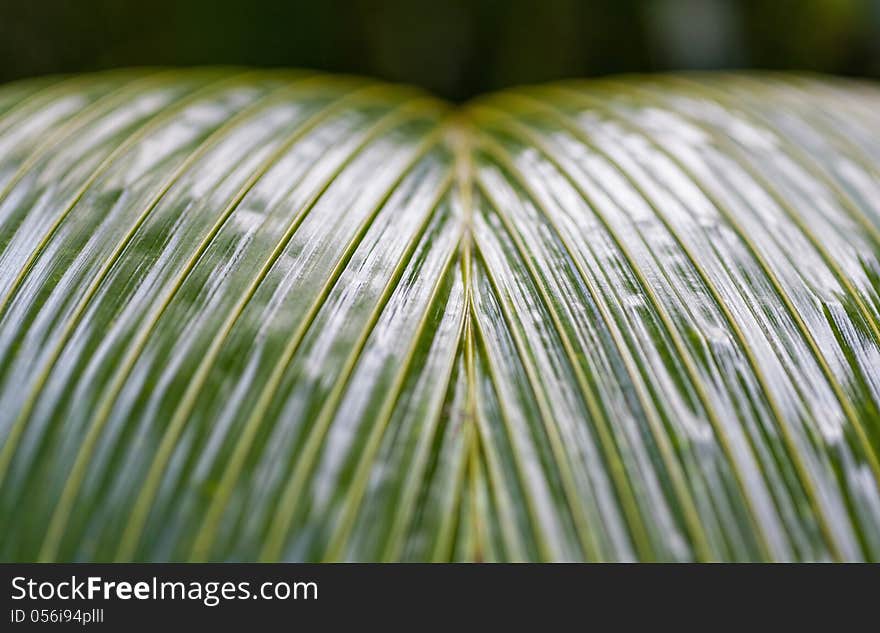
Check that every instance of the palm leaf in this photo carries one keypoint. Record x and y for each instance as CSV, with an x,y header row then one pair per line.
x,y
253,315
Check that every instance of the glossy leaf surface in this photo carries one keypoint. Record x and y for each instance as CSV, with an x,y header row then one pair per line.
x,y
249,315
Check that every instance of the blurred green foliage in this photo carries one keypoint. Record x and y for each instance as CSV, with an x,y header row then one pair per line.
x,y
455,48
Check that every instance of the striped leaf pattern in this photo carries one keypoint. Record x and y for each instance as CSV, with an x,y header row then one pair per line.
x,y
279,316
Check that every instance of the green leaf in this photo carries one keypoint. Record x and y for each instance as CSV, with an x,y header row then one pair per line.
x,y
264,315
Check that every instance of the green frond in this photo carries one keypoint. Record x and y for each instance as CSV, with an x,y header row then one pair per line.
x,y
282,316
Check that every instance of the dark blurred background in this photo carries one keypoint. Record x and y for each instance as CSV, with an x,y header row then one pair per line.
x,y
455,48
